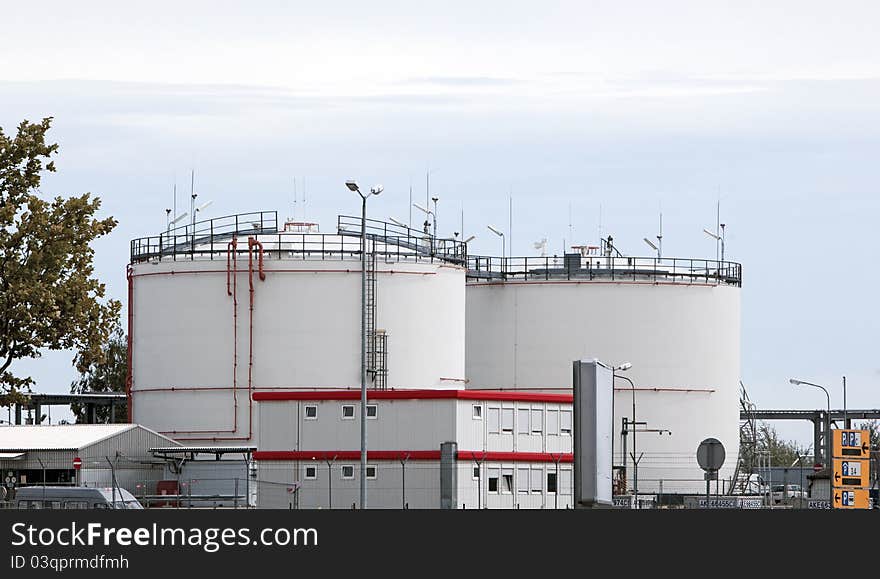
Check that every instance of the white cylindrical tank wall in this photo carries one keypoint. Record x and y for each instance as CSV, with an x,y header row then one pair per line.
x,y
683,342
304,331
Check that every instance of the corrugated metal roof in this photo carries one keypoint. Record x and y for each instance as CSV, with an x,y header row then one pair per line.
x,y
57,437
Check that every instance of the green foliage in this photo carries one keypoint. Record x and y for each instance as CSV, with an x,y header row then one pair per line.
x,y
48,297
104,375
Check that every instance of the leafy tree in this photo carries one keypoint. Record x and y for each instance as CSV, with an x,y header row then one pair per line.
x,y
782,452
48,297
104,375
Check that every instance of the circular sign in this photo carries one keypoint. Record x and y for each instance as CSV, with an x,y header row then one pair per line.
x,y
817,467
77,463
710,454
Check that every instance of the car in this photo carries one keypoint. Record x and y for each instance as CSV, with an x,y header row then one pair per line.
x,y
783,492
68,497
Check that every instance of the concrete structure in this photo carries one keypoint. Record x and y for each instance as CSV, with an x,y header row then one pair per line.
x,y
514,448
247,332
35,454
676,321
222,314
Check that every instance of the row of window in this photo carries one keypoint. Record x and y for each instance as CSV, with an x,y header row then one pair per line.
x,y
346,470
528,420
528,480
310,411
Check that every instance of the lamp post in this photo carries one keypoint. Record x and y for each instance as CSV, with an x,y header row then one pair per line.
x,y
353,186
624,367
717,238
500,234
828,463
429,224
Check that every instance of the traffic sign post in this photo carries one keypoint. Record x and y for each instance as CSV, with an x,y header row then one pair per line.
x,y
710,457
851,498
851,472
851,444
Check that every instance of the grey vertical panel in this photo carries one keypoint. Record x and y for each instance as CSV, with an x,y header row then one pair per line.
x,y
593,395
448,476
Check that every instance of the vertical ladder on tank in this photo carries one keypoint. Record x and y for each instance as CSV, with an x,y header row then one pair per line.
x,y
376,340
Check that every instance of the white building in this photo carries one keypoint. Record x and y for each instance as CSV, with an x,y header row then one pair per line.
x,y
247,332
100,455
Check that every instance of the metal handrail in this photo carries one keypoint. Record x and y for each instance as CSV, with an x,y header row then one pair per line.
x,y
385,243
577,267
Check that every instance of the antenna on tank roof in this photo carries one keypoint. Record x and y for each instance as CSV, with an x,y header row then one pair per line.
x,y
293,217
410,203
570,230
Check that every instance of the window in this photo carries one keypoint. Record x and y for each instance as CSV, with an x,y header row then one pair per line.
x,y
493,480
76,505
551,483
565,422
537,479
347,471
348,412
494,420
522,480
565,481
371,471
537,421
522,421
311,472
507,481
478,412
507,420
311,412
476,475
553,422
372,411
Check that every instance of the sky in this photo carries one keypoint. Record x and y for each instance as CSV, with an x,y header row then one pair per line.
x,y
608,112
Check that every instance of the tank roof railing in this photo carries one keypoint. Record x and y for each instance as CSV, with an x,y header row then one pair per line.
x,y
188,237
604,268
210,240
451,250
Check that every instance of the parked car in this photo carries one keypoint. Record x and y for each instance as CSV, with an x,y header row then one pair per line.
x,y
789,491
40,497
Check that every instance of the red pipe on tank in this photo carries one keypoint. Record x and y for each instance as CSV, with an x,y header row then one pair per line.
x,y
128,378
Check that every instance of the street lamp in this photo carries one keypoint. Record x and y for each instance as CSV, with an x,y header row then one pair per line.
x,y
433,216
623,368
717,238
652,245
499,233
353,186
828,463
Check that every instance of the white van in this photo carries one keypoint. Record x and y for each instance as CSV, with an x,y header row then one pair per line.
x,y
39,497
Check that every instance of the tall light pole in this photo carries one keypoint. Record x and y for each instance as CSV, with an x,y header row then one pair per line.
x,y
432,223
353,186
828,463
622,368
500,234
717,238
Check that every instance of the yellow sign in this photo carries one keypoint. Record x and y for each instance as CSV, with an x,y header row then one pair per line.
x,y
850,498
850,443
851,473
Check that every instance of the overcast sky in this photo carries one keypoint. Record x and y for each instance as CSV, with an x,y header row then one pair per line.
x,y
629,106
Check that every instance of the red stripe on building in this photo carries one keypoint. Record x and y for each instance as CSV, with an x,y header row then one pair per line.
x,y
346,455
479,456
505,396
463,455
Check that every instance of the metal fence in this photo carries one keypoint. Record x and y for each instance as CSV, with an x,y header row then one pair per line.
x,y
595,268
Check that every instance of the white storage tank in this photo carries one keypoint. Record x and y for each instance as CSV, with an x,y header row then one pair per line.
x,y
212,322
677,321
